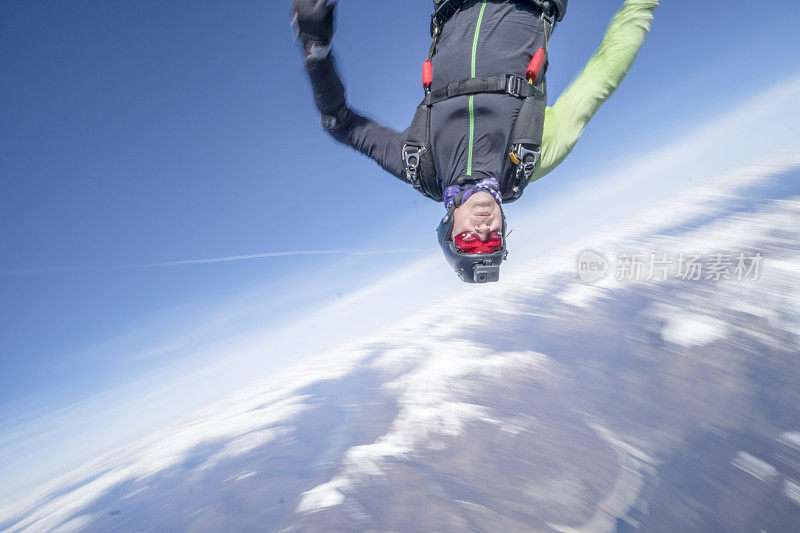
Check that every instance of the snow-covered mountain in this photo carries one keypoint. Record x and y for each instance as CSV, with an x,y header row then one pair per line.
x,y
647,399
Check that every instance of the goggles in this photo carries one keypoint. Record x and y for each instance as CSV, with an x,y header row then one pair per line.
x,y
470,242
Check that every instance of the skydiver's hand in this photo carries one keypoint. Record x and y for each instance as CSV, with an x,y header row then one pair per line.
x,y
313,21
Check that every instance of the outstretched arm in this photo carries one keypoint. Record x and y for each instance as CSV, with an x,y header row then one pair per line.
x,y
314,20
383,145
565,120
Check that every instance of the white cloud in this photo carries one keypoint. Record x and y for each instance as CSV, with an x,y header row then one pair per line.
x,y
428,397
791,490
690,330
754,466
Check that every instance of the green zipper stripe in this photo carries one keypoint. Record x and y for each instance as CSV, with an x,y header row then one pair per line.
x,y
475,38
472,97
471,133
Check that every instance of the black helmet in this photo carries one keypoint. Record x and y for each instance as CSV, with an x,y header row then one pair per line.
x,y
471,268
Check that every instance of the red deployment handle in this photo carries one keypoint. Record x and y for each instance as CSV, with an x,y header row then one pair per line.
x,y
427,74
532,73
535,66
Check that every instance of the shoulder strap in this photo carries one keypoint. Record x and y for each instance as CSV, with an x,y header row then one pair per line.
x,y
418,155
524,144
445,9
529,125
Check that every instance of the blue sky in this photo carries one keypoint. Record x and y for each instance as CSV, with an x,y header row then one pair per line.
x,y
135,134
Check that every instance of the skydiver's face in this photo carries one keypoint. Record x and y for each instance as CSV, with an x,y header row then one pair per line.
x,y
480,213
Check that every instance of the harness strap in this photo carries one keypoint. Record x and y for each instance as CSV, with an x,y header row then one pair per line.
x,y
501,83
418,157
524,145
445,9
525,140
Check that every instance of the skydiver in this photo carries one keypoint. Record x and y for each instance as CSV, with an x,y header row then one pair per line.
x,y
482,132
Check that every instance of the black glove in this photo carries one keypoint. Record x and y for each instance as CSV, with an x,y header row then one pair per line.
x,y
313,21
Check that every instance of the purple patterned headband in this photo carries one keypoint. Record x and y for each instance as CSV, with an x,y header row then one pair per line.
x,y
489,185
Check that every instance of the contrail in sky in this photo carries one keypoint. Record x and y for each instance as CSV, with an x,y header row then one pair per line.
x,y
207,260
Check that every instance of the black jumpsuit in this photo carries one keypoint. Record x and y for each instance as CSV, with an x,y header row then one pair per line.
x,y
469,134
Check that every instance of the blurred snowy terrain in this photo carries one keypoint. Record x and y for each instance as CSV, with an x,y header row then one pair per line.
x,y
539,403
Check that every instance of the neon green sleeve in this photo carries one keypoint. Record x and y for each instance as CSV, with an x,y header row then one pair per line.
x,y
565,120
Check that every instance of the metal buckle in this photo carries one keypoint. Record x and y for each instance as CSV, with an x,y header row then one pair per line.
x,y
514,86
411,159
523,153
527,163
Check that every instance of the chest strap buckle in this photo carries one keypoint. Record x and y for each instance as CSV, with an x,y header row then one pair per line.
x,y
514,86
